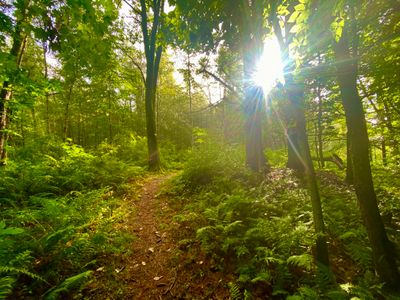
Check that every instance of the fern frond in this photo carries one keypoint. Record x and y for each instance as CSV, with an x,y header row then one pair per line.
x,y
234,289
67,285
303,261
9,270
6,286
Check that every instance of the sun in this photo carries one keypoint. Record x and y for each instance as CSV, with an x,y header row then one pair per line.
x,y
269,69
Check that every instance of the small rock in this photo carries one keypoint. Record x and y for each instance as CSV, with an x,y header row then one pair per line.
x,y
143,263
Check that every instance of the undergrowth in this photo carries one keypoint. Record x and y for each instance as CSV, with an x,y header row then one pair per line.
x,y
261,229
59,205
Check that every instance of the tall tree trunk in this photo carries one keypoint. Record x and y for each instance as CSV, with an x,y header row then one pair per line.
x,y
66,113
320,129
383,148
16,53
293,131
189,87
298,145
150,100
252,46
153,58
296,95
349,165
254,111
46,77
347,70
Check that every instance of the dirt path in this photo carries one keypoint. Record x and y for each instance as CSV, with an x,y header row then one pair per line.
x,y
157,264
160,267
150,276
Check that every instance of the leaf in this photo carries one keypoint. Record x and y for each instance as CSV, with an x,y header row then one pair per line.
x,y
157,278
300,7
304,260
293,17
6,286
9,230
296,28
10,270
348,234
68,284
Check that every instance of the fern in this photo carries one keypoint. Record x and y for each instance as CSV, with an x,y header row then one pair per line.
x,y
264,276
303,261
11,270
67,285
360,253
235,292
9,230
6,286
325,277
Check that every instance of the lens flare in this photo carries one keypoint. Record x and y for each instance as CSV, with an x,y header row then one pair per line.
x,y
269,69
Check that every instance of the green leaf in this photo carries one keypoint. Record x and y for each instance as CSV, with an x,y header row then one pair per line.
x,y
304,261
68,284
300,7
9,230
6,286
293,17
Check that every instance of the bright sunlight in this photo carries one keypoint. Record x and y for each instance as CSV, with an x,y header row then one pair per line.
x,y
270,67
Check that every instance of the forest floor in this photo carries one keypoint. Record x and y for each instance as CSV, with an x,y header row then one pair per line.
x,y
158,266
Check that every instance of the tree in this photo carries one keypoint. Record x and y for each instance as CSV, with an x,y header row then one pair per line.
x,y
18,35
346,50
153,50
299,156
359,153
241,26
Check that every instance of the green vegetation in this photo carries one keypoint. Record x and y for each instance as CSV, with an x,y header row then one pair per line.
x,y
59,207
261,228
278,120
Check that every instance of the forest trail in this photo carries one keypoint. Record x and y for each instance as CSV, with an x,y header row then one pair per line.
x,y
158,267
150,276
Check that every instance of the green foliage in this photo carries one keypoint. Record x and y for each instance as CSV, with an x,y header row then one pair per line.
x,y
263,227
6,285
59,206
67,285
211,163
234,289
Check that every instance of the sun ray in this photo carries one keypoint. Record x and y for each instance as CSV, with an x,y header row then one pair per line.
x,y
269,69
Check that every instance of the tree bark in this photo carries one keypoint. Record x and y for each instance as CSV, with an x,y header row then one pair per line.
x,y
347,71
153,58
16,52
253,104
296,95
299,156
349,165
320,129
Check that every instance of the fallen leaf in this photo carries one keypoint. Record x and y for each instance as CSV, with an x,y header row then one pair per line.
x,y
157,278
143,263
101,269
151,249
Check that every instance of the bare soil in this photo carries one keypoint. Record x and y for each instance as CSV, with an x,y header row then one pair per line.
x,y
158,266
